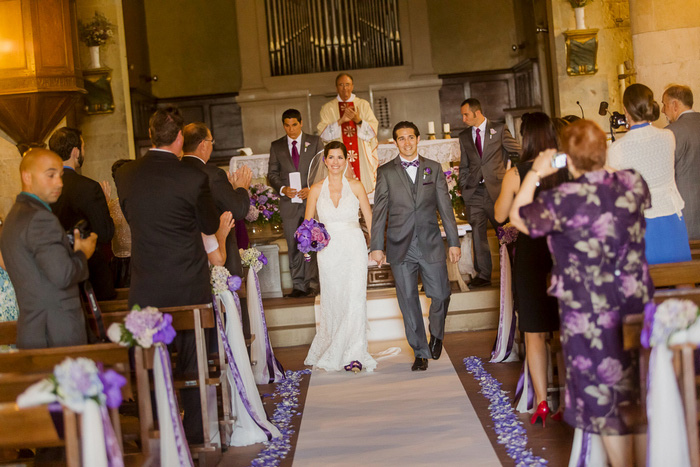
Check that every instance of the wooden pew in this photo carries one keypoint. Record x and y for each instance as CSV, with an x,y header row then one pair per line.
x,y
675,274
8,333
122,294
33,428
195,318
695,249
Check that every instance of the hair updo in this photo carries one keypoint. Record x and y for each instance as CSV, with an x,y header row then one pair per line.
x,y
640,104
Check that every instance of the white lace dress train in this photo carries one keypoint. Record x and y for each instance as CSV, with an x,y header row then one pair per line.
x,y
342,334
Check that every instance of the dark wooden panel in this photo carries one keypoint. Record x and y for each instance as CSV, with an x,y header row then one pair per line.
x,y
493,95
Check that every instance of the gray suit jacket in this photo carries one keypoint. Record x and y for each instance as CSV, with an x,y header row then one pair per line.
x,y
45,271
280,166
687,132
394,202
498,144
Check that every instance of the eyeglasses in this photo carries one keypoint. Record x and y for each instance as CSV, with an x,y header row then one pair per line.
x,y
212,141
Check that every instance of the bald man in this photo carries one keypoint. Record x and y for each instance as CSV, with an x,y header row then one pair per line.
x,y
43,266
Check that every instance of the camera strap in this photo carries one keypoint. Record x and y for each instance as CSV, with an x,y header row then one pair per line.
x,y
93,308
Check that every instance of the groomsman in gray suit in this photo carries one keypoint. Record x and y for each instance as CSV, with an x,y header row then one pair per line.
x,y
410,191
44,267
295,152
684,122
485,147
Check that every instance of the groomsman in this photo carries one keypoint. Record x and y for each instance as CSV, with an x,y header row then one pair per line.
x,y
684,122
295,152
485,147
410,191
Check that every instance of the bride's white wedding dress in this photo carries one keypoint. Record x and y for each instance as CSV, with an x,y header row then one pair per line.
x,y
342,266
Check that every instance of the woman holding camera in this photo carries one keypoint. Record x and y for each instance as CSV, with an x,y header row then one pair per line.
x,y
650,151
537,313
595,233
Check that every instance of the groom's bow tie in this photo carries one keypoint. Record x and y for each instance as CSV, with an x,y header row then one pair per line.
x,y
406,165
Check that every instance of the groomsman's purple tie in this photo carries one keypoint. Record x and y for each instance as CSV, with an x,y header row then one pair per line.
x,y
295,155
478,143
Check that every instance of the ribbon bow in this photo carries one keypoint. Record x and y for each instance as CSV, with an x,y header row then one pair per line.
x,y
406,165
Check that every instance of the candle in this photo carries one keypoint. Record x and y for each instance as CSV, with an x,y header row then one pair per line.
x,y
431,128
445,127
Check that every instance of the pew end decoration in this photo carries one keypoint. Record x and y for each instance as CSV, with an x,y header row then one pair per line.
x,y
670,326
82,387
146,328
311,236
266,368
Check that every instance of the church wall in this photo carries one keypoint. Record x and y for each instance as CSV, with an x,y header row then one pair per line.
x,y
9,174
193,47
611,18
472,36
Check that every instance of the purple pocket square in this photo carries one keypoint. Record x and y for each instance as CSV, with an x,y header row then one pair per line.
x,y
427,183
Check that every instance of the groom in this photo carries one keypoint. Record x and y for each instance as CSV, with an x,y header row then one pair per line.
x,y
410,189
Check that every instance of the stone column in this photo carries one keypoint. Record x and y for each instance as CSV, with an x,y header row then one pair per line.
x,y
666,42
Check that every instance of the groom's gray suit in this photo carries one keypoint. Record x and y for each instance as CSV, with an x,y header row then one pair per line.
x,y
413,242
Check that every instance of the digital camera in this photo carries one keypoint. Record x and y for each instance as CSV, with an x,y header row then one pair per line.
x,y
617,120
559,161
82,227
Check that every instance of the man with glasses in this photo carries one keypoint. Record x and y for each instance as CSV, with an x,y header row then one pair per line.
x,y
230,190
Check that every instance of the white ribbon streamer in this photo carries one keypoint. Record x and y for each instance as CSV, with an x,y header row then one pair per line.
x,y
259,347
94,452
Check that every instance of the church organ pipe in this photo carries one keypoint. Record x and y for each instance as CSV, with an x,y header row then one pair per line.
x,y
307,36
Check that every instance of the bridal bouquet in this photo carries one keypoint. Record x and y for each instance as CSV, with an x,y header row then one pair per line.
x,y
252,258
311,236
143,327
222,280
507,234
672,321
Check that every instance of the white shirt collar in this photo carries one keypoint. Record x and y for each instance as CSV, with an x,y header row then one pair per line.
x,y
406,160
481,127
196,157
298,140
689,111
163,150
352,98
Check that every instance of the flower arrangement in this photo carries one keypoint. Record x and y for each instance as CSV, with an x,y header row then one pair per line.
x,y
143,327
311,236
507,234
222,280
97,31
252,258
266,201
452,177
672,317
579,3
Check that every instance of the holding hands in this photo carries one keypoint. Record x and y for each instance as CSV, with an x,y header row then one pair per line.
x,y
349,115
378,256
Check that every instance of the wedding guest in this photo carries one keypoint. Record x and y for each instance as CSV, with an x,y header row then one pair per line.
x,y
121,242
537,313
650,151
41,262
485,148
215,245
684,122
595,232
83,199
8,300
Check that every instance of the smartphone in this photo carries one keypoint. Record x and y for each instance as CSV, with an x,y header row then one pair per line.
x,y
559,161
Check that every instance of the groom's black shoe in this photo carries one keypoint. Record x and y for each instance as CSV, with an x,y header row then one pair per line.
x,y
296,293
479,282
435,346
421,364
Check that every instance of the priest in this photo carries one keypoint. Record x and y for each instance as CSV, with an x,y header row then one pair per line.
x,y
349,119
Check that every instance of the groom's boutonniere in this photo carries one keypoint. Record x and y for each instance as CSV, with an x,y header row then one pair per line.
x,y
306,145
426,172
491,133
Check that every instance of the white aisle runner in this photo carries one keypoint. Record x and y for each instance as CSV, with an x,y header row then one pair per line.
x,y
392,417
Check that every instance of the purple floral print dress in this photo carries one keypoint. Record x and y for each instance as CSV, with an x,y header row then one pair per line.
x,y
595,227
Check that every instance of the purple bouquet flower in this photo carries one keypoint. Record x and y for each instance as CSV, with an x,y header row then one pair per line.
x,y
234,283
311,236
507,234
143,327
112,383
265,202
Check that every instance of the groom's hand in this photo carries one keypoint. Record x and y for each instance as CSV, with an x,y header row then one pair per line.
x,y
378,256
455,253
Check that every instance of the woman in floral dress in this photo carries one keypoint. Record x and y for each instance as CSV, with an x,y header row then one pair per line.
x,y
8,302
595,227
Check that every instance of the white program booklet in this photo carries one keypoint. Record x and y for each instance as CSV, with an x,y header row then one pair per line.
x,y
295,183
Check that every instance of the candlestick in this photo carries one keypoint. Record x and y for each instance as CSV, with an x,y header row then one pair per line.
x,y
445,127
431,128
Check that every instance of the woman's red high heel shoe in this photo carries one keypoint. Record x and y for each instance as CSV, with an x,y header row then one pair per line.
x,y
541,412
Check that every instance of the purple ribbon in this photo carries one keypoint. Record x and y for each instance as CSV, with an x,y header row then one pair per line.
x,y
521,387
236,374
585,450
183,451
273,364
114,451
497,345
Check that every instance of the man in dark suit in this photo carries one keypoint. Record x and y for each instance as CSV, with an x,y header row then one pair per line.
x,y
295,152
83,199
485,147
684,122
230,191
168,205
410,191
44,268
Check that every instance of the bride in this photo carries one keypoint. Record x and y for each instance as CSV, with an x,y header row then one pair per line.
x,y
341,340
